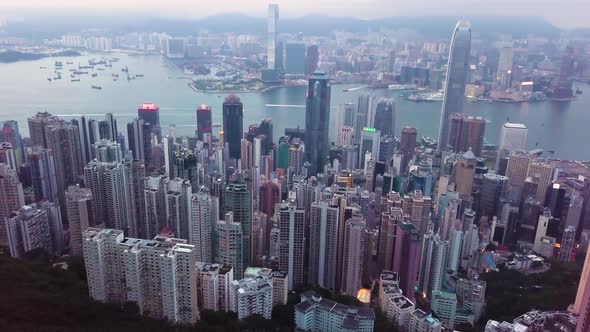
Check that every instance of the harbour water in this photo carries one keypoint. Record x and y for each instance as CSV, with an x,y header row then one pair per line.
x,y
562,127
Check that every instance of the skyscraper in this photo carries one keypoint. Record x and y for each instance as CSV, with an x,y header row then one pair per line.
x,y
512,137
493,188
204,122
582,304
179,208
312,57
80,215
432,267
406,259
457,69
43,174
472,134
150,114
465,171
407,147
273,18
237,200
11,134
323,244
385,117
11,198
355,245
504,61
295,59
292,243
317,123
203,223
233,125
30,228
230,245
370,142
135,178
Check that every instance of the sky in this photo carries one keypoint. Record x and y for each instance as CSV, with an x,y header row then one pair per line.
x,y
562,13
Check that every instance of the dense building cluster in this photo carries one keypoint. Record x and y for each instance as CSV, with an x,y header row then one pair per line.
x,y
232,220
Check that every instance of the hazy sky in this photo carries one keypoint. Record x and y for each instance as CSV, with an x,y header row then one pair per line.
x,y
563,13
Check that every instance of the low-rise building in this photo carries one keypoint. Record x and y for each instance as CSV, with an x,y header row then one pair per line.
x,y
420,321
250,296
399,312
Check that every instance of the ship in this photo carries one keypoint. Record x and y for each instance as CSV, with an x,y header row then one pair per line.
x,y
42,67
399,87
139,75
76,80
115,75
125,70
69,63
49,79
97,87
94,75
578,91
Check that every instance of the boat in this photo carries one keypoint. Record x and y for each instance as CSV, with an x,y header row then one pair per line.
x,y
58,64
115,75
69,63
435,97
399,87
76,80
578,91
97,87
125,70
58,77
114,79
114,59
42,67
94,75
49,79
80,72
138,75
101,69
72,76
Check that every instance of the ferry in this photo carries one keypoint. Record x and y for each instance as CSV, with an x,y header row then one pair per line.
x,y
101,69
115,75
97,87
76,80
94,75
42,67
139,75
49,79
125,70
69,63
400,87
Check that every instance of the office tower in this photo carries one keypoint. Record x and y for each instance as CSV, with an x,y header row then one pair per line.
x,y
140,142
312,57
270,194
292,243
472,135
407,147
555,199
384,120
80,215
11,134
135,179
567,244
512,137
150,114
323,244
37,128
457,70
251,296
518,167
541,231
43,174
11,198
214,286
355,238
493,188
316,313
8,156
233,122
294,59
423,322
422,178
64,140
204,122
370,141
455,130
28,229
432,266
406,259
204,218
317,122
542,172
345,136
273,18
386,149
179,208
230,246
562,86
505,61
237,199
364,113
184,166
117,266
110,193
464,173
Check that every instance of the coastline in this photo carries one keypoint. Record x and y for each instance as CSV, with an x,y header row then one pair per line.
x,y
268,88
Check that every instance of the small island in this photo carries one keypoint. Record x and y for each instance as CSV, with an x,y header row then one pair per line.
x,y
10,56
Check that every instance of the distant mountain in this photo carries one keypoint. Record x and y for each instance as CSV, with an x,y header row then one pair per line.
x,y
52,26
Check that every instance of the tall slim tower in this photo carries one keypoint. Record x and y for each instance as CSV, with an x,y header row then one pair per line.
x,y
237,200
292,243
455,82
80,216
43,174
150,114
204,122
230,244
11,198
323,244
203,220
233,125
273,18
355,239
317,122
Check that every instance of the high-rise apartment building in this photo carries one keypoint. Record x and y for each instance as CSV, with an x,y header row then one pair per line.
x,y
11,198
159,275
292,243
110,193
30,228
135,179
214,286
179,208
432,266
323,244
237,200
457,70
43,174
355,246
230,246
204,218
80,215
317,122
